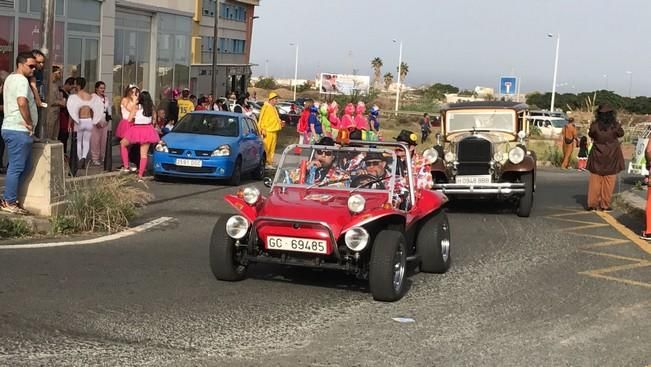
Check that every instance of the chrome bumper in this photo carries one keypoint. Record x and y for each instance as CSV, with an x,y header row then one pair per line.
x,y
505,188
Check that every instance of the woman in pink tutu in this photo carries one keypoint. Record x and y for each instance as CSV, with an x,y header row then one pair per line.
x,y
142,132
128,110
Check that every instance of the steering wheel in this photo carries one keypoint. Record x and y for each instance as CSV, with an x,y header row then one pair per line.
x,y
373,180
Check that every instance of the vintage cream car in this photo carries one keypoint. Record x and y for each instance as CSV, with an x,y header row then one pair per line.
x,y
482,153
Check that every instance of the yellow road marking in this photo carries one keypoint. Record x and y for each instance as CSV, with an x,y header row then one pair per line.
x,y
643,244
618,280
605,241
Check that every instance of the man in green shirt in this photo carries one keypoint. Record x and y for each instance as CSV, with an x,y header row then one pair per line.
x,y
18,128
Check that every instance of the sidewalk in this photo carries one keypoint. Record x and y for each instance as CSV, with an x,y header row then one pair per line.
x,y
632,201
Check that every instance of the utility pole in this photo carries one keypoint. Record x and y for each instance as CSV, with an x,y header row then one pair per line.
x,y
47,32
215,35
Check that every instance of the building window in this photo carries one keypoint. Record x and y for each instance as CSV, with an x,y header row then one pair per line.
x,y
7,44
233,12
131,59
208,8
29,37
173,53
84,10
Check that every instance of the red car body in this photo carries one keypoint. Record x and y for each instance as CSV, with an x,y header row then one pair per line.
x,y
319,218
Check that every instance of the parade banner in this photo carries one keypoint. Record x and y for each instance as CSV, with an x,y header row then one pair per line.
x,y
344,84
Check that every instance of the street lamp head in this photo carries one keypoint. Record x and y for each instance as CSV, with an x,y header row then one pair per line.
x,y
550,35
255,17
629,72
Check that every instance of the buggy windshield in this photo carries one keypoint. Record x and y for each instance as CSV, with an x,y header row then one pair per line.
x,y
338,168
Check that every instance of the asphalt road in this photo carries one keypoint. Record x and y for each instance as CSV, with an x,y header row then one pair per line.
x,y
561,288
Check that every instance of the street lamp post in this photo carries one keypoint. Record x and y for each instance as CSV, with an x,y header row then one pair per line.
x,y
295,67
399,72
630,82
558,44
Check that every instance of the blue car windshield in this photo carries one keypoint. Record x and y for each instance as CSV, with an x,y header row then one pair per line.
x,y
208,124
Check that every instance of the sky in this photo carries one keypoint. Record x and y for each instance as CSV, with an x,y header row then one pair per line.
x,y
465,43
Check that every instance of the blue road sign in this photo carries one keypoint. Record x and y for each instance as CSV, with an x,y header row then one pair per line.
x,y
508,85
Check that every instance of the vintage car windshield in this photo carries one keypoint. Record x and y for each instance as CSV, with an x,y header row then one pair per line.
x,y
339,168
484,119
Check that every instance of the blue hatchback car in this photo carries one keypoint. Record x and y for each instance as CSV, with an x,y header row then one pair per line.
x,y
211,144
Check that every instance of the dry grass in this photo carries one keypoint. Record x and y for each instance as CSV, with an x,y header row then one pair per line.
x,y
104,204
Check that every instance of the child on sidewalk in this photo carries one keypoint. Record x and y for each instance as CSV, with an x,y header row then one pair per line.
x,y
583,153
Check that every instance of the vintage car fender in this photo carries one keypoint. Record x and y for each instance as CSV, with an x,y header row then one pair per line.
x,y
247,211
528,164
438,166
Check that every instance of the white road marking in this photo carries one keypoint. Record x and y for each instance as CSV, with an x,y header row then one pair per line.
x,y
111,237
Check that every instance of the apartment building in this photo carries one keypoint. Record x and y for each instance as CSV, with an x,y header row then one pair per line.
x,y
158,45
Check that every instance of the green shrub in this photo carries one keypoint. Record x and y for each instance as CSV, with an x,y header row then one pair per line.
x,y
102,205
15,228
266,83
554,155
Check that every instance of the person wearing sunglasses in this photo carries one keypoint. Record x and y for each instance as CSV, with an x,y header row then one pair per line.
x,y
322,163
18,128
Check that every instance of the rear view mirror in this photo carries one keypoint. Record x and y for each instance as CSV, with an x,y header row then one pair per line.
x,y
267,181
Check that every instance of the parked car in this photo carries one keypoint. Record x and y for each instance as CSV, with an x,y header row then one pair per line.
x,y
550,127
548,113
482,145
337,216
211,144
289,107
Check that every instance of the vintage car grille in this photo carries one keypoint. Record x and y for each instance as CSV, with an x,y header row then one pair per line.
x,y
474,155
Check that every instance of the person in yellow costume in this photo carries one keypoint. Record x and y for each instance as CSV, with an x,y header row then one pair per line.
x,y
270,124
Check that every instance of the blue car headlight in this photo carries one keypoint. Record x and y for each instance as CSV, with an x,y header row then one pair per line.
x,y
162,147
222,151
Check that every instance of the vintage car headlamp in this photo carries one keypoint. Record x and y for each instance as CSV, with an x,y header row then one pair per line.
x,y
162,147
522,134
251,195
449,157
356,203
222,151
516,155
356,238
430,155
237,226
500,156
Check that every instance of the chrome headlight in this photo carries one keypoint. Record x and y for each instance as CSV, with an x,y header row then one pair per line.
x,y
356,238
516,155
251,195
449,157
356,203
237,226
430,155
162,147
222,151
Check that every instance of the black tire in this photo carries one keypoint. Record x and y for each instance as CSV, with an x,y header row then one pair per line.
x,y
223,264
433,244
258,172
236,176
526,201
388,247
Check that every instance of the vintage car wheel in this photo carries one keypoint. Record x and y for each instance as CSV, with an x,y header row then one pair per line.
x,y
388,265
222,254
236,177
433,244
258,172
526,201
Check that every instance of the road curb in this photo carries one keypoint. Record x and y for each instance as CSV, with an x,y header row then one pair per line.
x,y
630,203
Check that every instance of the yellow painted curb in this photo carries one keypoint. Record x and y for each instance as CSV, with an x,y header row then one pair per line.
x,y
643,244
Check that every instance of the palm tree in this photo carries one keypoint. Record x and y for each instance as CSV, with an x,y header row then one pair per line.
x,y
404,69
388,79
376,63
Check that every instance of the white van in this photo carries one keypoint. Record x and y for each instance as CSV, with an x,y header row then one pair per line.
x,y
550,127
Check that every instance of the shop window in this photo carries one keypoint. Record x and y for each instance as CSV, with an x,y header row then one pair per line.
x,y
7,44
29,37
